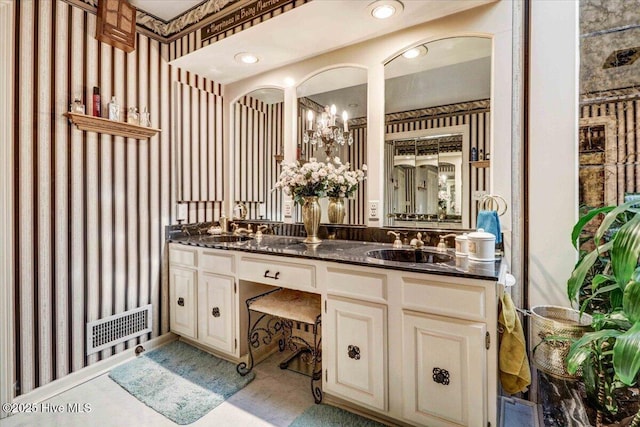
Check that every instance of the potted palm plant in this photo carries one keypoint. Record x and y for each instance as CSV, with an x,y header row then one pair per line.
x,y
608,273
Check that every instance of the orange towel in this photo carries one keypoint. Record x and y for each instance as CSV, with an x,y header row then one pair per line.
x,y
513,362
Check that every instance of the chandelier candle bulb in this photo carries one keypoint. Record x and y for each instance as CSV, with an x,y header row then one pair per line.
x,y
344,120
333,114
310,119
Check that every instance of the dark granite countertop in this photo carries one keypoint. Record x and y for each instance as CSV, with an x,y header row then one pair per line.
x,y
345,251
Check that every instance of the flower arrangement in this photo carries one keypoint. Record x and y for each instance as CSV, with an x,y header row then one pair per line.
x,y
343,182
443,198
299,181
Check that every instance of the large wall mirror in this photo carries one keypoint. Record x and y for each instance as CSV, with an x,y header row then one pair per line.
x,y
346,89
257,151
437,132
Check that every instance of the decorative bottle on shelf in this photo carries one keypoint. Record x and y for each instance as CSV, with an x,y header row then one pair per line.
x,y
114,109
487,156
77,107
145,118
133,117
481,156
97,103
474,154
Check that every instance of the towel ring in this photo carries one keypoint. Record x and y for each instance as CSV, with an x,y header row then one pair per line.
x,y
490,200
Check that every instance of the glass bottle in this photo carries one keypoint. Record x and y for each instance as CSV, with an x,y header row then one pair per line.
x,y
145,118
133,117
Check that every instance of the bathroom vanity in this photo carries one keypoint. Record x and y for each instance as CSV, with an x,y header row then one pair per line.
x,y
410,342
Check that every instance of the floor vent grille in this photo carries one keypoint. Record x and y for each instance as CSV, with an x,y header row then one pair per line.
x,y
112,330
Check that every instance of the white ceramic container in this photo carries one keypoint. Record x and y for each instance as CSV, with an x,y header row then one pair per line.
x,y
462,245
482,246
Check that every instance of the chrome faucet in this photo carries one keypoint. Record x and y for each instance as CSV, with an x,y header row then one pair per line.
x,y
397,243
260,229
239,230
417,241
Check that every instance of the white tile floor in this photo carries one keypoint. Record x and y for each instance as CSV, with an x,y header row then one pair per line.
x,y
274,398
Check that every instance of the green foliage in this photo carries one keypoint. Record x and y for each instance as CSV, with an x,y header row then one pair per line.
x,y
609,276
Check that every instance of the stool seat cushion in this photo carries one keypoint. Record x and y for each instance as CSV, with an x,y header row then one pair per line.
x,y
289,304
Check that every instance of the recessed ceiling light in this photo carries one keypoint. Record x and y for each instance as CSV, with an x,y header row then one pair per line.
x,y
415,52
383,9
352,105
246,58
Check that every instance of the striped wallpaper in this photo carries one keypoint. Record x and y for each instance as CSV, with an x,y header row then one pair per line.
x,y
258,136
198,145
89,209
479,126
620,114
192,41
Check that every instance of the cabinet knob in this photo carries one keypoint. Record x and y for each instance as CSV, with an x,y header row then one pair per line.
x,y
181,302
275,276
441,376
215,312
354,352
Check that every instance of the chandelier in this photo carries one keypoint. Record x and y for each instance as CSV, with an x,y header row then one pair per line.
x,y
327,134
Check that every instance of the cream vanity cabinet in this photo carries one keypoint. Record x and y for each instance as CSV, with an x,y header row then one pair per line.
x,y
202,296
355,335
216,300
414,347
182,289
448,372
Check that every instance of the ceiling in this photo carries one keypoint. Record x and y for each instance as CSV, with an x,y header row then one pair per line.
x,y
311,29
165,9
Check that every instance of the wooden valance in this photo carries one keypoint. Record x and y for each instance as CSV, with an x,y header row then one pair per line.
x,y
116,24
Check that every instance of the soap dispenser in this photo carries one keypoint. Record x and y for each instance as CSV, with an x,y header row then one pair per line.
x,y
224,222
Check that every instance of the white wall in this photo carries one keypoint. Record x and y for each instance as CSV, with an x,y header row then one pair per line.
x,y
553,164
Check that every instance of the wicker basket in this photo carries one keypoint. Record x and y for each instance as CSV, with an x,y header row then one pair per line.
x,y
547,320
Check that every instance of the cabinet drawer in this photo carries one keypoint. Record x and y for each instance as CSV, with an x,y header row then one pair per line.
x,y
217,262
357,283
277,273
446,298
183,255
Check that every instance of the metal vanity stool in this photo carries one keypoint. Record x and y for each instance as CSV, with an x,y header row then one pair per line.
x,y
279,309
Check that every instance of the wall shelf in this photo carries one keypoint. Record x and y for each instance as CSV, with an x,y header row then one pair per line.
x,y
111,127
481,164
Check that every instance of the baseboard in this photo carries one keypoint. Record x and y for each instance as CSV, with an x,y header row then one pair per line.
x,y
70,381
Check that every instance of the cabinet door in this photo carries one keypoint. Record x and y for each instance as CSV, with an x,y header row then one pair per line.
x,y
354,346
216,311
443,371
182,306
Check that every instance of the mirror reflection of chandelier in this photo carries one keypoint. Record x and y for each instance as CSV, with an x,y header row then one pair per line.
x,y
326,133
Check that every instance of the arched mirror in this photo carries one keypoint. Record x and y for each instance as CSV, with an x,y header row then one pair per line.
x,y
258,151
334,102
437,132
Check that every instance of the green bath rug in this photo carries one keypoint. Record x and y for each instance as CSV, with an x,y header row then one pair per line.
x,y
179,381
330,416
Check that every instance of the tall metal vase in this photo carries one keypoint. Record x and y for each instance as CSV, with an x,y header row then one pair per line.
x,y
335,210
311,219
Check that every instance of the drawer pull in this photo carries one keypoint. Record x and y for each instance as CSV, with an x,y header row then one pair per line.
x,y
275,276
215,312
181,302
441,376
354,352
